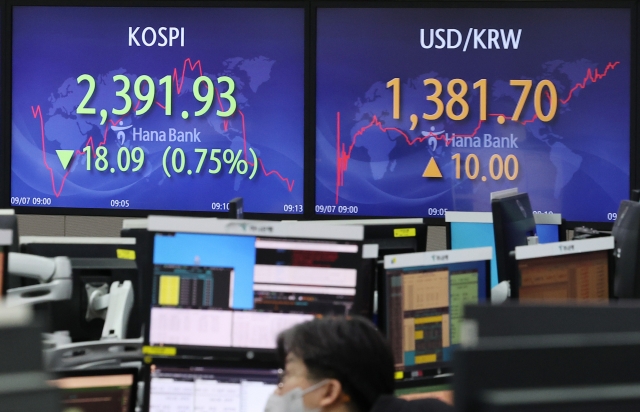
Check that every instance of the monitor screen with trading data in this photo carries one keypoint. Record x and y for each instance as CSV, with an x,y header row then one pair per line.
x,y
98,391
191,387
232,290
426,107
177,108
438,387
426,295
575,270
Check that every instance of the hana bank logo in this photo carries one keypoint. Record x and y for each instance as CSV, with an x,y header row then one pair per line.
x,y
432,141
119,129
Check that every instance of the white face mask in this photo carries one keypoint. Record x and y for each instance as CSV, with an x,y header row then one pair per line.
x,y
292,401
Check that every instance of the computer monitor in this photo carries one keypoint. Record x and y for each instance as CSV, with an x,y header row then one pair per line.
x,y
513,223
227,286
217,95
185,385
517,319
77,246
426,294
94,261
3,273
390,236
23,385
392,137
393,236
9,220
475,229
626,232
592,398
543,362
106,390
437,387
576,270
6,241
137,229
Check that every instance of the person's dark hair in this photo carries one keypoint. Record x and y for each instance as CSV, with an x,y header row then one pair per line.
x,y
350,350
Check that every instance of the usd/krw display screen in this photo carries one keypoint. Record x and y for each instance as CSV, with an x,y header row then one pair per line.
x,y
158,108
425,110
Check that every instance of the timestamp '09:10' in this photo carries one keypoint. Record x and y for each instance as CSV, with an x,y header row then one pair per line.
x,y
222,206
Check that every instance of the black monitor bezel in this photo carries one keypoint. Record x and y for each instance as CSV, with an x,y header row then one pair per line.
x,y
425,382
4,250
7,70
382,230
513,362
543,319
269,364
610,273
135,372
504,260
621,272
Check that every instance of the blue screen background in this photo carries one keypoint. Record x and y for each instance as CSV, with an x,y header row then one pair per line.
x,y
582,153
238,252
262,50
467,235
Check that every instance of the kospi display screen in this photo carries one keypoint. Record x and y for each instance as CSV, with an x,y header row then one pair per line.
x,y
166,108
423,110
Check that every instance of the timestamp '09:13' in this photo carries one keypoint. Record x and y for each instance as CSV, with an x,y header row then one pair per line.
x,y
293,208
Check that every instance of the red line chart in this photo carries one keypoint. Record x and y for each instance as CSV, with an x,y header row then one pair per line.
x,y
343,155
178,80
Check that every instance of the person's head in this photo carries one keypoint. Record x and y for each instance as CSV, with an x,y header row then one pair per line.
x,y
340,364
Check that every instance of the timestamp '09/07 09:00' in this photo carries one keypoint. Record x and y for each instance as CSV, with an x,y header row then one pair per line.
x,y
350,210
30,201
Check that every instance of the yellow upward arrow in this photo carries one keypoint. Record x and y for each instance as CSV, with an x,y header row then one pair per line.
x,y
432,169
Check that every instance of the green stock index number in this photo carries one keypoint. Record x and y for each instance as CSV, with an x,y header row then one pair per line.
x,y
144,90
125,158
